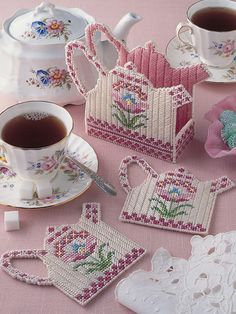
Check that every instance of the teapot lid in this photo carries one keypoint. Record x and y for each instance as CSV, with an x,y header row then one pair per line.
x,y
47,24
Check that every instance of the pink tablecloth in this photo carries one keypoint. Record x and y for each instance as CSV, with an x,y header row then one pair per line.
x,y
159,20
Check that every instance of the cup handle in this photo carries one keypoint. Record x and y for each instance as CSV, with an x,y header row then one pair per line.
x,y
179,29
3,156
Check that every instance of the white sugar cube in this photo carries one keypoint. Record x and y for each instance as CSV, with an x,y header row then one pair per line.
x,y
11,220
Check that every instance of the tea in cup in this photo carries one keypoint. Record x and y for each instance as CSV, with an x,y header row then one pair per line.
x,y
212,25
34,137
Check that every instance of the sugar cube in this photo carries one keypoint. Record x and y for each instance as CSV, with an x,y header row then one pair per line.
x,y
11,220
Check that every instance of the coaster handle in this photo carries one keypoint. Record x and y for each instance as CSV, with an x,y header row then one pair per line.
x,y
14,272
123,170
91,31
70,51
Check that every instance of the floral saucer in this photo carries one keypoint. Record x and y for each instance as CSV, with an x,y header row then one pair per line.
x,y
67,185
181,55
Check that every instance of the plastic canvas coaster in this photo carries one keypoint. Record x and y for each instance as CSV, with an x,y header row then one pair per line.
x,y
82,259
141,102
175,200
205,283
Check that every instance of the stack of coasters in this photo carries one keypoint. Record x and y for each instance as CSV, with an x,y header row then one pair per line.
x,y
142,103
82,259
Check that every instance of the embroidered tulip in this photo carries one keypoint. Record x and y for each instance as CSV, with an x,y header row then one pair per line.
x,y
178,193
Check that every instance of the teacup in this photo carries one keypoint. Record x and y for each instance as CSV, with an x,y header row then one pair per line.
x,y
35,158
213,31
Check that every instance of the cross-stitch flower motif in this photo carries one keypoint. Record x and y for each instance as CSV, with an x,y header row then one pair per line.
x,y
81,247
177,191
128,103
99,263
130,110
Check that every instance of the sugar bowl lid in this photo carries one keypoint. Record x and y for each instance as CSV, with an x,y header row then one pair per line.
x,y
47,24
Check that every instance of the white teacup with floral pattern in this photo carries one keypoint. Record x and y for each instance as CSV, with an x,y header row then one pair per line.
x,y
215,48
36,166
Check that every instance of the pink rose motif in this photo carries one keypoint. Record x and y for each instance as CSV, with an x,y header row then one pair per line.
x,y
55,27
215,146
48,164
57,76
228,47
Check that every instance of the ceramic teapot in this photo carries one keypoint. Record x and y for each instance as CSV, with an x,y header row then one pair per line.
x,y
32,53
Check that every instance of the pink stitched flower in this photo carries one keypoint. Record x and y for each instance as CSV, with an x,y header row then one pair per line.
x,y
215,146
57,76
55,27
80,248
175,190
128,103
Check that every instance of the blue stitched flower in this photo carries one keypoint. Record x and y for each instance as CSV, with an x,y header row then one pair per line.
x,y
43,76
40,28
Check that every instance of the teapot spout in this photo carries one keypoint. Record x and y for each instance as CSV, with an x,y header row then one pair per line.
x,y
122,29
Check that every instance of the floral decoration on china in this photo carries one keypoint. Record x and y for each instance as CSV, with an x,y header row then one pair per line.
x,y
56,195
221,138
224,48
48,28
52,77
6,173
46,164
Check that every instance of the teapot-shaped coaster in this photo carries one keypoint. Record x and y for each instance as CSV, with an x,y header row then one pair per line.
x,y
141,103
82,259
205,283
175,200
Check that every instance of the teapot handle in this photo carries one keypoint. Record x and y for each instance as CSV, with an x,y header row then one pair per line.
x,y
6,265
123,170
70,51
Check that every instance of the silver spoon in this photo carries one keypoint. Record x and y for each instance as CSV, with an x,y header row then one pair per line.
x,y
101,183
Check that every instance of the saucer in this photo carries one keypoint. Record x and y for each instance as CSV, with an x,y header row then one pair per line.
x,y
182,55
68,184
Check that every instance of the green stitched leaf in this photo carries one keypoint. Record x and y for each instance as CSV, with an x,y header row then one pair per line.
x,y
138,126
134,120
117,117
100,251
